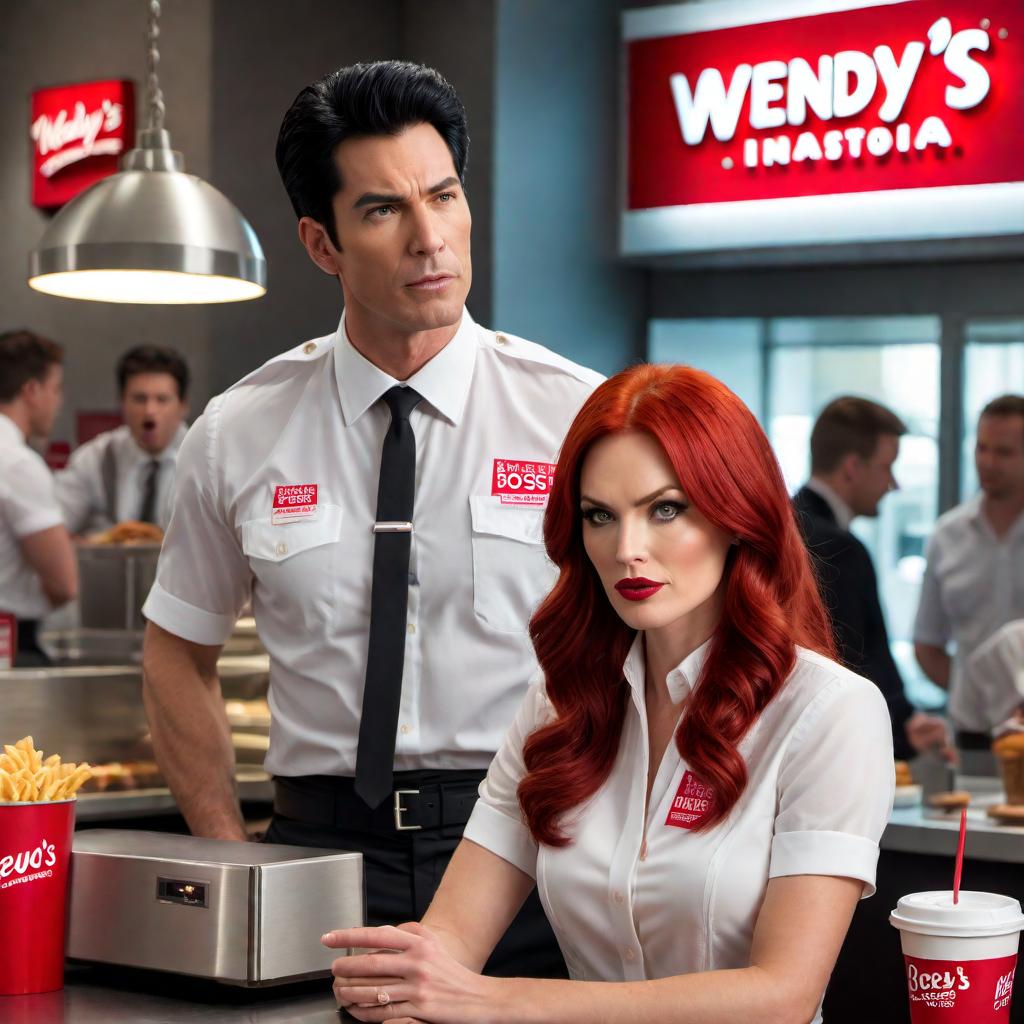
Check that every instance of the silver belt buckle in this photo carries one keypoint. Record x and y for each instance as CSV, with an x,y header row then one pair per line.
x,y
400,810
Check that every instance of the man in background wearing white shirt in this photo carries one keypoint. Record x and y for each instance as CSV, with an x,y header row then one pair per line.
x,y
128,472
379,493
38,571
974,583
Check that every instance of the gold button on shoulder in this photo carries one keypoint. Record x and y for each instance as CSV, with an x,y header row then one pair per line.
x,y
411,628
282,548
309,348
500,339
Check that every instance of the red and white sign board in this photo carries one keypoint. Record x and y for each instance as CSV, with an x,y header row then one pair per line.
x,y
78,134
838,121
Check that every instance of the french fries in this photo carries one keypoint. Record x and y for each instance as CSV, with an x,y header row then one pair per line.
x,y
26,778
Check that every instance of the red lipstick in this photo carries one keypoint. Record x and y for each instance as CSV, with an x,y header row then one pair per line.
x,y
638,588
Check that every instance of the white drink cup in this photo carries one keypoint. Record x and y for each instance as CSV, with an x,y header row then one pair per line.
x,y
960,958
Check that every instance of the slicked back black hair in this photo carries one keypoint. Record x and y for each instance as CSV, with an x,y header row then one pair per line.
x,y
383,98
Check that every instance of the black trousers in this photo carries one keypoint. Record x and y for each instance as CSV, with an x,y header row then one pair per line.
x,y
30,654
403,869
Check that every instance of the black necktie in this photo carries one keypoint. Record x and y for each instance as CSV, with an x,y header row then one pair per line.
x,y
389,601
147,511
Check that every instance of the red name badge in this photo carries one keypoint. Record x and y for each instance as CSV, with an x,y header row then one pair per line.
x,y
522,483
692,803
294,501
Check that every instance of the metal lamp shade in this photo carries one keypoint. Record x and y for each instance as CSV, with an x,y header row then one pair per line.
x,y
150,235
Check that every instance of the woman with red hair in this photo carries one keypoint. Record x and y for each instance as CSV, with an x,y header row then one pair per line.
x,y
694,785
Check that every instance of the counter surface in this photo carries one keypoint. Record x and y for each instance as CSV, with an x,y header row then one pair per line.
x,y
104,996
923,830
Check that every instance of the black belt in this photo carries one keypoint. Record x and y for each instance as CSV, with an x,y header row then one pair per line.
x,y
973,740
425,799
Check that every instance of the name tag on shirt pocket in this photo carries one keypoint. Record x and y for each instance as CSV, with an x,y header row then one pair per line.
x,y
276,542
511,571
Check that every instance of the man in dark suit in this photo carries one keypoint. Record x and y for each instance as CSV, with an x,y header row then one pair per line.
x,y
854,444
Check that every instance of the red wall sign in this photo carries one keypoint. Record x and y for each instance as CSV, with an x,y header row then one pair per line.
x,y
841,98
78,134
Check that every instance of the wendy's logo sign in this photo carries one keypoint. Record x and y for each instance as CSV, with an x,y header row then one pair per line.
x,y
78,133
724,107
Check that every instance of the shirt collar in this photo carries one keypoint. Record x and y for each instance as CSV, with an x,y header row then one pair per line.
x,y
680,681
843,513
443,382
10,432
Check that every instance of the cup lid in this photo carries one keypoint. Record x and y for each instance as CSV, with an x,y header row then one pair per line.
x,y
977,914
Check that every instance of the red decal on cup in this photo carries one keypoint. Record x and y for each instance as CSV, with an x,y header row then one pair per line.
x,y
522,483
692,803
294,501
967,992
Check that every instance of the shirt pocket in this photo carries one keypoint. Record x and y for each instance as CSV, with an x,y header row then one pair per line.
x,y
294,563
511,570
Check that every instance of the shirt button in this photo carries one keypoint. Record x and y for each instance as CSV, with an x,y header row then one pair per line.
x,y
282,548
629,954
501,339
618,897
406,729
309,348
410,629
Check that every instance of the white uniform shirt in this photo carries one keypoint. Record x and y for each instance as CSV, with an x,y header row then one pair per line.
x,y
477,568
974,584
819,794
995,672
82,488
27,506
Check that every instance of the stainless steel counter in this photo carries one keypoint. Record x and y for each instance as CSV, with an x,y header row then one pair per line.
x,y
101,996
923,830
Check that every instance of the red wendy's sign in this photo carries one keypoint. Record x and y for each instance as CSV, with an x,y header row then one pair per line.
x,y
840,99
78,134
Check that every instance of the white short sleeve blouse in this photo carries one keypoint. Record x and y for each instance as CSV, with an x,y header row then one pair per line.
x,y
819,795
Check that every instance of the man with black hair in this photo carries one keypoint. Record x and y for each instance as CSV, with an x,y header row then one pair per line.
x,y
38,570
128,473
379,493
854,444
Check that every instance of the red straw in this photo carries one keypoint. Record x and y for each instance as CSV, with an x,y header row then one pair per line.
x,y
960,856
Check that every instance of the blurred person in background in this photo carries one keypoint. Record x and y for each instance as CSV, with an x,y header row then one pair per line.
x,y
854,444
128,473
38,571
974,583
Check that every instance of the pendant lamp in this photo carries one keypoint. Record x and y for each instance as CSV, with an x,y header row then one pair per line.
x,y
150,233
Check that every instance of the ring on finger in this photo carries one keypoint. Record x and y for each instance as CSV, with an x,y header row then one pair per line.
x,y
382,997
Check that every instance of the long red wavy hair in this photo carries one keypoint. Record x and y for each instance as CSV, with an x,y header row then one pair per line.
x,y
727,469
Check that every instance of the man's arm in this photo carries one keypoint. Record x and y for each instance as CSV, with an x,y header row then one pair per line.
x,y
52,557
932,628
935,662
74,486
191,735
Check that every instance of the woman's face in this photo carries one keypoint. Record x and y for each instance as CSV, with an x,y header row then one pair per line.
x,y
660,561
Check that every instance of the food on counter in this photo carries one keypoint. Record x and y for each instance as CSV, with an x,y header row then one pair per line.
x,y
247,708
1007,814
903,776
131,531
25,777
117,776
1009,752
950,801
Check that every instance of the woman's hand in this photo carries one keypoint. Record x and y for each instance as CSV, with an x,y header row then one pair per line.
x,y
409,976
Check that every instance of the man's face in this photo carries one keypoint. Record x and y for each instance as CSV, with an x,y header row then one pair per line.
x,y
872,478
153,410
999,456
45,397
403,225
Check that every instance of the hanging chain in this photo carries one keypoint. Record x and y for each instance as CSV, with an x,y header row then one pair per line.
x,y
154,95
